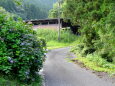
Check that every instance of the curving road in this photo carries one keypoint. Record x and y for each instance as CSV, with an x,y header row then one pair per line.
x,y
59,72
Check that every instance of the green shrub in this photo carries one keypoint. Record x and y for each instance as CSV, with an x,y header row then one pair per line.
x,y
21,52
97,21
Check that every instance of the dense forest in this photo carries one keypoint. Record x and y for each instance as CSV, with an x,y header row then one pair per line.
x,y
97,21
30,9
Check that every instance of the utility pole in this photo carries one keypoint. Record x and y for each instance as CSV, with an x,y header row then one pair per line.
x,y
59,28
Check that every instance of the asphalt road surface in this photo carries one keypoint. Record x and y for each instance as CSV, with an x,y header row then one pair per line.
x,y
58,71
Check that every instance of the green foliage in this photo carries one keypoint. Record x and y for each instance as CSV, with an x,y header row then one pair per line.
x,y
53,13
18,2
12,82
96,63
51,36
28,9
21,52
97,22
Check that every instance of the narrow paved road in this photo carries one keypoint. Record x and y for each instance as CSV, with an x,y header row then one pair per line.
x,y
59,72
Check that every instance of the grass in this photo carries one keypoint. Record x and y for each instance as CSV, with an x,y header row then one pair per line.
x,y
55,44
96,63
51,37
93,61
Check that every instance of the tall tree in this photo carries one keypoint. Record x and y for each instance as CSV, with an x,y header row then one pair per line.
x,y
97,21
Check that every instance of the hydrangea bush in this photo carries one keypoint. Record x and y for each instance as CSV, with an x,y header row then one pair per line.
x,y
21,51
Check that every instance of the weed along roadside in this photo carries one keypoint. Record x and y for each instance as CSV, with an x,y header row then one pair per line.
x,y
98,66
58,71
93,62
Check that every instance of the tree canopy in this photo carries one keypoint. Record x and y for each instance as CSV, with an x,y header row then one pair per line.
x,y
97,21
29,9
